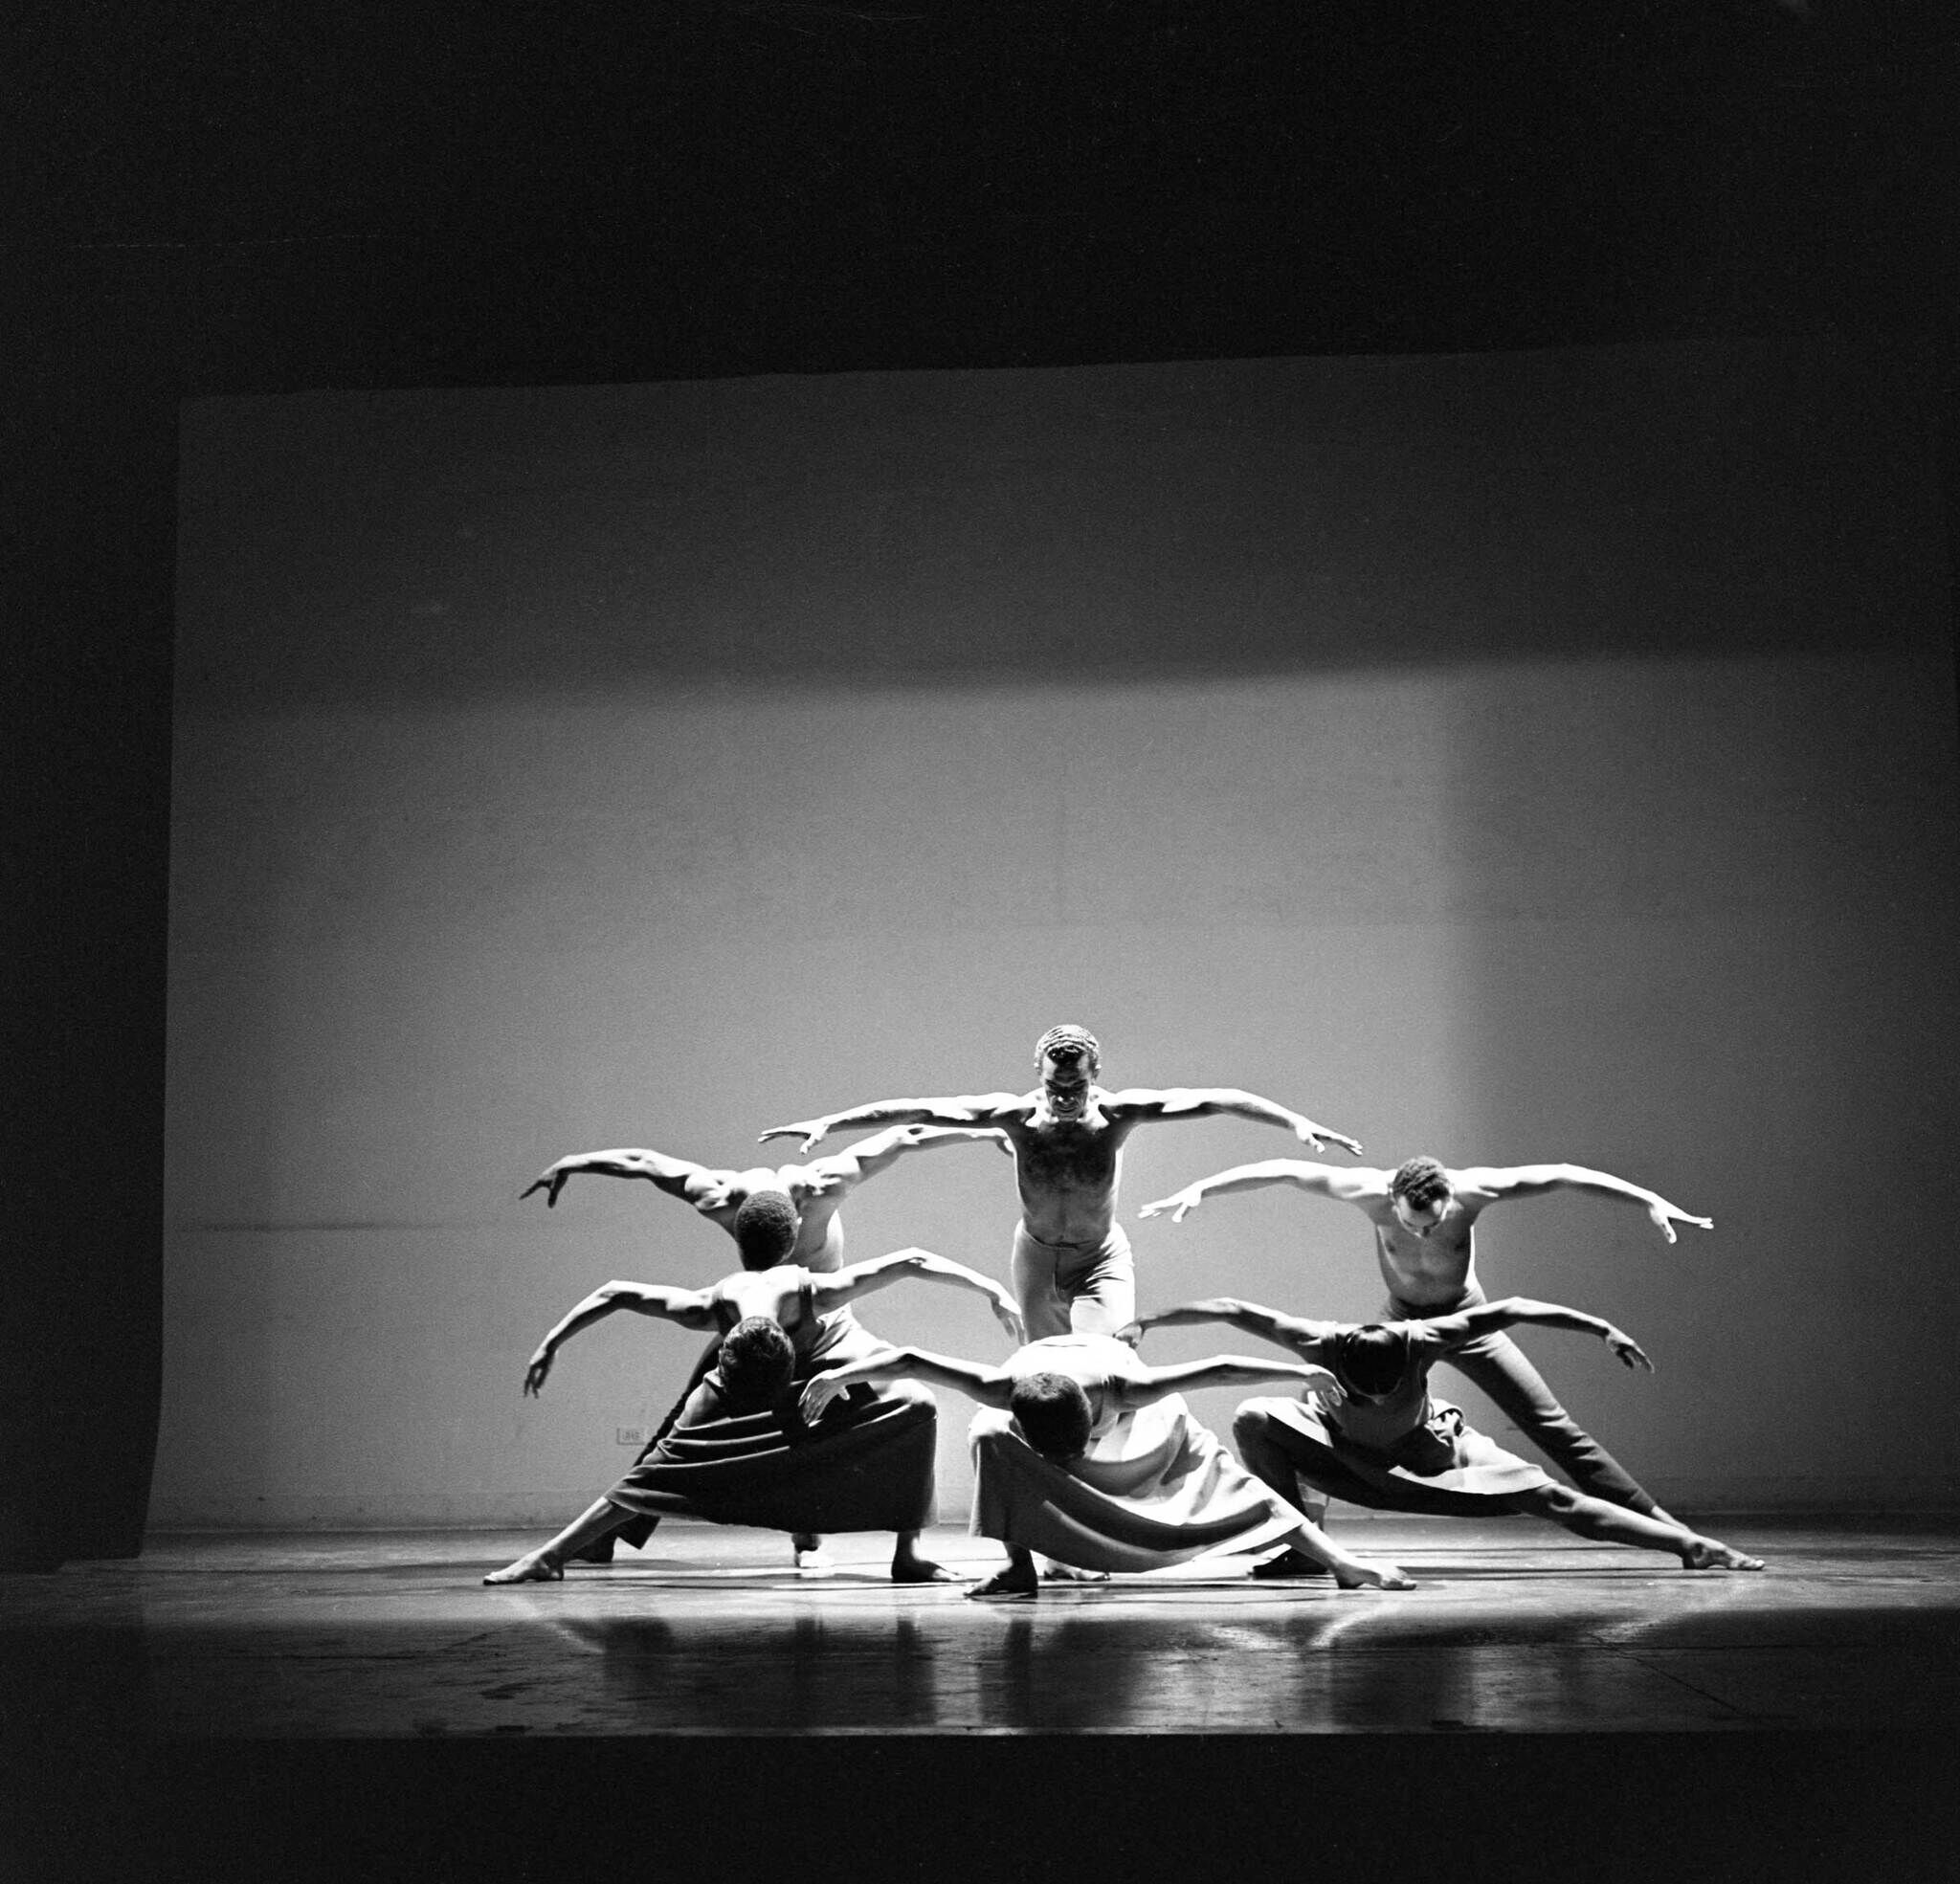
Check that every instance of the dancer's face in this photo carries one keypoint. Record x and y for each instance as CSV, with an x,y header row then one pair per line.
x,y
1420,1219
1066,1084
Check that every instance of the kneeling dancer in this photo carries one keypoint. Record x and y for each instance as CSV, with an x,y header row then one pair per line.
x,y
741,1452
1384,1442
1092,1458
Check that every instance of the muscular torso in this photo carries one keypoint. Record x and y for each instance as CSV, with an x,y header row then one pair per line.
x,y
1067,1172
1425,1272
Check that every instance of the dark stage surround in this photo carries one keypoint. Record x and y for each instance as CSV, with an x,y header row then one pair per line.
x,y
163,257
1610,1806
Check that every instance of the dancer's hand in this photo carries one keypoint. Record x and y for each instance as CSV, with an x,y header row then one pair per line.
x,y
551,1180
540,1366
1131,1334
1311,1135
1180,1203
1629,1350
1374,1572
720,1195
1664,1217
1008,1315
819,1181
1323,1389
818,1392
811,1131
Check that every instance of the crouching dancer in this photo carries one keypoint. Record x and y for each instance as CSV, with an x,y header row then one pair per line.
x,y
1093,1459
741,1451
1384,1442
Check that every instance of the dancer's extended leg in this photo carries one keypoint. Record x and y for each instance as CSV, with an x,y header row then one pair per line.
x,y
546,1564
1498,1366
1612,1523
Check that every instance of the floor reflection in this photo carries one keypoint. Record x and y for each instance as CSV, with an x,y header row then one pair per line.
x,y
396,1637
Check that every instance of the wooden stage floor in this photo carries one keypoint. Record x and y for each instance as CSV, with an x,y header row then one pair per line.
x,y
1515,1628
314,1707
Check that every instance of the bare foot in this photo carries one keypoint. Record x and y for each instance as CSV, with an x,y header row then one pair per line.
x,y
1706,1554
1067,1573
533,1568
1358,1572
1289,1562
1012,1584
819,1563
919,1571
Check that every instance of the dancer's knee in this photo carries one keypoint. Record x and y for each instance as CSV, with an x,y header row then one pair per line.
x,y
991,1434
1252,1423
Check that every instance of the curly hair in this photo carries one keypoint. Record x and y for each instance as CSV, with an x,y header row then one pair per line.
x,y
1052,1414
1371,1359
755,1364
1069,1042
766,1229
1420,1183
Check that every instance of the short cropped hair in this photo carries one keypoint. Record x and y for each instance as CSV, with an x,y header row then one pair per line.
x,y
1069,1042
1052,1414
1420,1182
755,1364
766,1229
1371,1359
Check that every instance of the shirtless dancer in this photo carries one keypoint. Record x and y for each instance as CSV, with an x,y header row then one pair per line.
x,y
1425,1234
732,1450
1382,1441
815,1190
1072,1268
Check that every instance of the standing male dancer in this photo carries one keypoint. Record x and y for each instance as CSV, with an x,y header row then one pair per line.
x,y
815,1192
1425,1234
1072,1268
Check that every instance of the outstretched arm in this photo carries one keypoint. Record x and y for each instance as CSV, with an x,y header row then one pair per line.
x,y
857,1280
1340,1182
1248,1318
870,1156
1220,1370
990,1385
975,1109
1537,1180
678,1177
1470,1324
692,1308
1211,1101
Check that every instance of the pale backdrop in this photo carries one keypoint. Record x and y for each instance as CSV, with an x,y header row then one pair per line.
x,y
1515,758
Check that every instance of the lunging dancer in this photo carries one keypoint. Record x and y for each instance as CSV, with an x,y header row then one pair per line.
x,y
1384,1443
814,1190
1425,1236
741,1451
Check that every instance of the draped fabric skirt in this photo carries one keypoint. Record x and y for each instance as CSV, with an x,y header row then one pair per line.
x,y
1155,1488
866,1465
